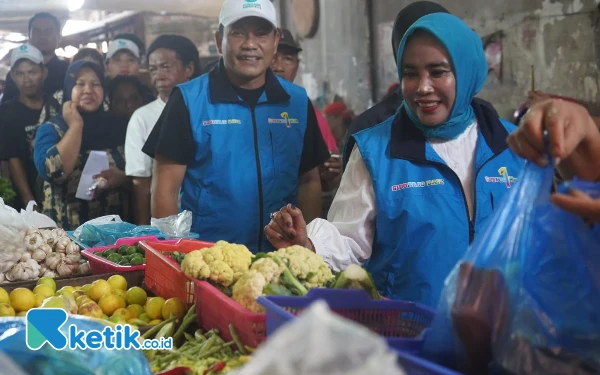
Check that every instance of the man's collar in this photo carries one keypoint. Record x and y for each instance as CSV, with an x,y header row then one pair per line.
x,y
222,91
407,142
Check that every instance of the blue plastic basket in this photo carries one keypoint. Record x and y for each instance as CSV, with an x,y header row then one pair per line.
x,y
401,323
419,366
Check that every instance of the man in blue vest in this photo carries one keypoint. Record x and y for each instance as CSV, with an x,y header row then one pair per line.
x,y
238,142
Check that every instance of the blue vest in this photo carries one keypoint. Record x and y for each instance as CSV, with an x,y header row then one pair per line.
x,y
422,224
247,159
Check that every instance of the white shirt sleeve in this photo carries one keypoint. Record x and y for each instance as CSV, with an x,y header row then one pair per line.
x,y
347,236
137,164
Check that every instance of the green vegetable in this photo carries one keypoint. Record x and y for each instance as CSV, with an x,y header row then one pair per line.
x,y
108,252
131,250
6,191
115,258
123,249
236,338
288,280
137,261
276,290
188,319
152,331
355,277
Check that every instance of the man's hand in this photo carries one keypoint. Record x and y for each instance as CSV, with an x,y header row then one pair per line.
x,y
114,178
71,114
535,97
330,173
579,203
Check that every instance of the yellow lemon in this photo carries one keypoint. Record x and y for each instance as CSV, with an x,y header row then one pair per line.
x,y
39,300
6,310
135,310
86,288
43,290
123,312
154,307
155,321
68,287
117,282
110,302
99,289
22,313
119,292
175,307
144,317
22,299
136,296
118,319
90,309
47,281
81,299
4,296
65,292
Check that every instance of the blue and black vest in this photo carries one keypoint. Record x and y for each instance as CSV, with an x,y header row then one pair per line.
x,y
422,225
247,158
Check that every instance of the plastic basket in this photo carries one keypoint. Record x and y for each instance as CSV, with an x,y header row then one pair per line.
x,y
164,276
99,265
401,323
216,310
418,366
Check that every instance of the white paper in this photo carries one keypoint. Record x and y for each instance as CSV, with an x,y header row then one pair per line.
x,y
96,163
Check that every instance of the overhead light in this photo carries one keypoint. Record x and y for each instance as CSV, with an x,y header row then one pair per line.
x,y
74,26
75,5
15,37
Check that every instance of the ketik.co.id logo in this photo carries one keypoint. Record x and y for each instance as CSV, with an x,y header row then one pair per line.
x,y
44,326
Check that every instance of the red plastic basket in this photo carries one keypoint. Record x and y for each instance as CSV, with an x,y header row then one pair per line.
x,y
164,276
216,310
99,265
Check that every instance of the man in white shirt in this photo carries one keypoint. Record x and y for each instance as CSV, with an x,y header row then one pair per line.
x,y
172,60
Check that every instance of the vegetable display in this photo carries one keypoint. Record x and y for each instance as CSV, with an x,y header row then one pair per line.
x,y
202,352
35,253
355,277
124,255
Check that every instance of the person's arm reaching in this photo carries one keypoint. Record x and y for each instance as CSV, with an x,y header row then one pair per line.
x,y
19,178
142,197
347,238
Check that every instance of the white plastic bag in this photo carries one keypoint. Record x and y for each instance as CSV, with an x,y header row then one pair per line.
x,y
36,220
108,219
319,342
175,225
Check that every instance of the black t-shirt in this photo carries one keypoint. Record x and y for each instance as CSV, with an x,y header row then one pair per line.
x,y
57,69
18,126
172,136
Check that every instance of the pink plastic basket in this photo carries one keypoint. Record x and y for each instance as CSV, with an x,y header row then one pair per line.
x,y
99,265
215,310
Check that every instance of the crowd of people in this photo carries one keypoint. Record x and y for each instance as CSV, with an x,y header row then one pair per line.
x,y
403,188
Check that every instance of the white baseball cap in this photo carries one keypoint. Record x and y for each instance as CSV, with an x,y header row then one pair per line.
x,y
122,44
26,51
234,10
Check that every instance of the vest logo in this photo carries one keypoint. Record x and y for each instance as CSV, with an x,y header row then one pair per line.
x,y
504,179
418,184
221,122
286,119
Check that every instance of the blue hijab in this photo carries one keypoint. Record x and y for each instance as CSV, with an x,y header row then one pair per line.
x,y
101,130
469,65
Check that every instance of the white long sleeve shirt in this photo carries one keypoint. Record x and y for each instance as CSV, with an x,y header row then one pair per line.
x,y
347,236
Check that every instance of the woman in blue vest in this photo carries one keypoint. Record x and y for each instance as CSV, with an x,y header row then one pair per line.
x,y
420,185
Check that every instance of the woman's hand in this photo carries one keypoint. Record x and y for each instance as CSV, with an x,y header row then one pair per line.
x,y
287,228
71,114
579,203
330,173
114,178
535,97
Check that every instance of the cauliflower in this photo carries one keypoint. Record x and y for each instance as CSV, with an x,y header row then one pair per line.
x,y
267,276
269,269
248,288
223,264
307,266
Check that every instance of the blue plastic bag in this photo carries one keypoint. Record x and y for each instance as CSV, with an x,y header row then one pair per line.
x,y
49,361
525,299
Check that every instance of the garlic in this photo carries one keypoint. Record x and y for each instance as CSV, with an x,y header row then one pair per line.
x,y
32,231
38,255
65,268
61,244
60,232
43,268
46,249
23,271
72,248
33,240
25,256
49,238
2,278
5,266
73,258
50,273
16,256
83,269
53,260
